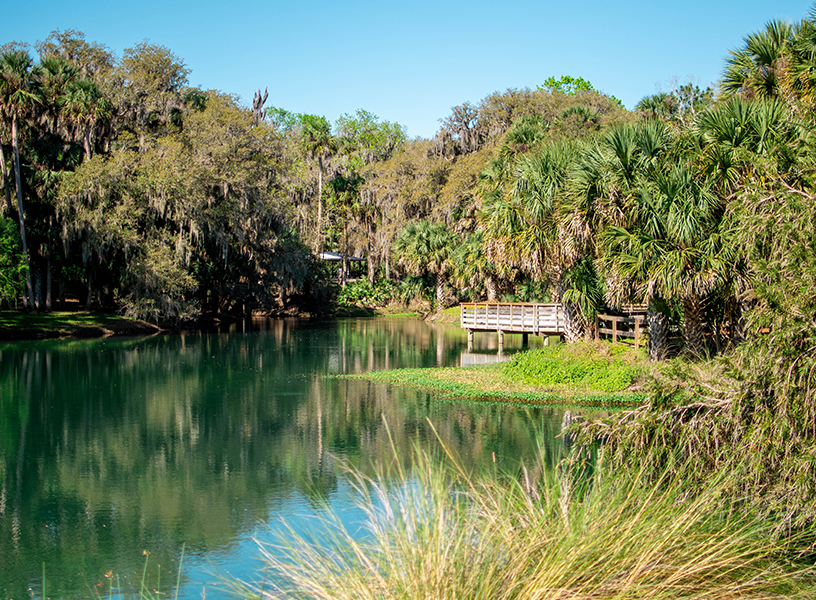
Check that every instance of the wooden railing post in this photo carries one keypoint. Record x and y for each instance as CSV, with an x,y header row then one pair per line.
x,y
614,330
597,327
637,332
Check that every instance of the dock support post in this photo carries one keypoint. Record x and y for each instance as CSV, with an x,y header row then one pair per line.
x,y
470,340
525,339
501,341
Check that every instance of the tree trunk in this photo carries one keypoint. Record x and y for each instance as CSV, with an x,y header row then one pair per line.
x,y
87,141
345,261
319,203
492,288
693,326
370,254
575,328
48,284
440,289
37,281
20,213
6,181
658,330
89,300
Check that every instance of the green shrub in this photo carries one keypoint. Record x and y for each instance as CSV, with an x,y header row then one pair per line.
x,y
362,293
12,266
595,366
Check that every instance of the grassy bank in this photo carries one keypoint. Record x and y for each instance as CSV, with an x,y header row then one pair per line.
x,y
595,374
440,532
15,325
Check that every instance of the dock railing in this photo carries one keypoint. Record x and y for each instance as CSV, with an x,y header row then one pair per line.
x,y
512,317
632,327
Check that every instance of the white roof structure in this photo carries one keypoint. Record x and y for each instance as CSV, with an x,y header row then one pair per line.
x,y
337,257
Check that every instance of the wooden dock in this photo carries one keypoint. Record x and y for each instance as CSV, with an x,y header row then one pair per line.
x,y
511,317
616,327
546,320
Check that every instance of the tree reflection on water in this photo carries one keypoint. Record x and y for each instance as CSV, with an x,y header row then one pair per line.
x,y
112,447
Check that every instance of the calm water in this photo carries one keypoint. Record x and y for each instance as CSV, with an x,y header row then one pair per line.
x,y
113,449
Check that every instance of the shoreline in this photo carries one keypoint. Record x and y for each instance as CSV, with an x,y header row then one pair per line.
x,y
18,326
75,323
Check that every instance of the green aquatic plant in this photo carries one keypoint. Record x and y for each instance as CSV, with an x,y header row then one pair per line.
x,y
592,366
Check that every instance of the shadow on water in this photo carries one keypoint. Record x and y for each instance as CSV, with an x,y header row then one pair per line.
x,y
113,448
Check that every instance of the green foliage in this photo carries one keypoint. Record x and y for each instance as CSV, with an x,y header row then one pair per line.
x,y
752,411
363,137
414,287
12,267
570,86
596,366
567,85
283,120
362,293
529,291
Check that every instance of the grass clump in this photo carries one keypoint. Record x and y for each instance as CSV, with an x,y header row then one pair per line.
x,y
594,374
596,366
438,531
491,383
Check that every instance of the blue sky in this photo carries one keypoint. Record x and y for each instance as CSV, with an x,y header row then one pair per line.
x,y
410,62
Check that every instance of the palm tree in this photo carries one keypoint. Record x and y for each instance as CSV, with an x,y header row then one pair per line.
x,y
425,248
55,75
610,211
83,106
316,141
672,248
522,209
759,67
19,94
472,268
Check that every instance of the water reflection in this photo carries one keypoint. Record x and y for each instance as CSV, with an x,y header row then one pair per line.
x,y
114,447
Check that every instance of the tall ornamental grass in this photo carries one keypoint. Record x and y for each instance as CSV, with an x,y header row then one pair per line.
x,y
438,532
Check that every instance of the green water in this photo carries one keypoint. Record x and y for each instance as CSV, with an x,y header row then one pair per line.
x,y
121,451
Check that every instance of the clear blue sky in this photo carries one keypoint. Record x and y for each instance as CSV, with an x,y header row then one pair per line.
x,y
410,62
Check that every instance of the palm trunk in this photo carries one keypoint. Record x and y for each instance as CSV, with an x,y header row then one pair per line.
x,y
370,254
658,330
89,301
20,214
693,325
345,253
440,288
6,182
575,328
319,203
87,142
48,284
492,288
